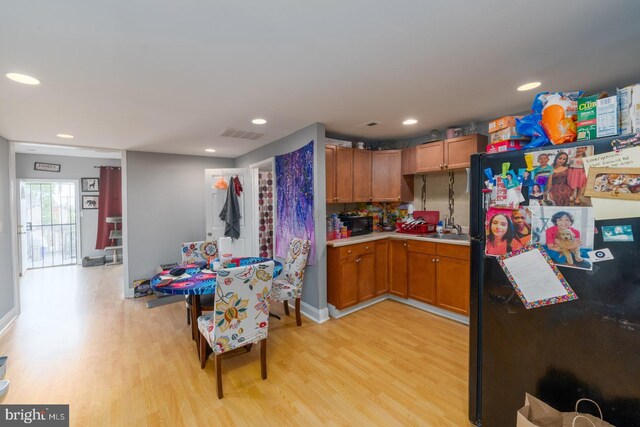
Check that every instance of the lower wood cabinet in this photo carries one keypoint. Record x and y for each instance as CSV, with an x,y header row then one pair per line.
x,y
398,267
429,272
381,267
421,271
351,274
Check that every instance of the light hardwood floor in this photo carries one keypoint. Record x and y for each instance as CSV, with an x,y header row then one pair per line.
x,y
118,363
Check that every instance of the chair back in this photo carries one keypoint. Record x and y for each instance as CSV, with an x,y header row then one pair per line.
x,y
241,313
297,255
198,251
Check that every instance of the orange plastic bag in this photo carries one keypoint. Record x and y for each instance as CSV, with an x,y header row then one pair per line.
x,y
559,116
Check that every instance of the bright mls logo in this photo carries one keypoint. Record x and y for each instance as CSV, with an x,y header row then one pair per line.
x,y
38,415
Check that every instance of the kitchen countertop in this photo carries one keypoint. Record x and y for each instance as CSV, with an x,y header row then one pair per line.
x,y
379,235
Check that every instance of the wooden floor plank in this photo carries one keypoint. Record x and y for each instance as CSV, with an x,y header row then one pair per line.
x,y
116,362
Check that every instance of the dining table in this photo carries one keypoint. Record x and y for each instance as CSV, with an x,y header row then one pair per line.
x,y
196,279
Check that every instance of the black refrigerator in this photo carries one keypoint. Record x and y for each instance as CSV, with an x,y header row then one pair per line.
x,y
559,353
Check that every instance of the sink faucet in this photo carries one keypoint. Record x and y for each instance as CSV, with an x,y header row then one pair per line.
x,y
457,228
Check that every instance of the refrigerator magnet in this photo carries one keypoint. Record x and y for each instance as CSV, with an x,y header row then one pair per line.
x,y
535,278
600,255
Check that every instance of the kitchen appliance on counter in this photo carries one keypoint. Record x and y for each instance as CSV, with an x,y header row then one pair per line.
x,y
358,225
559,353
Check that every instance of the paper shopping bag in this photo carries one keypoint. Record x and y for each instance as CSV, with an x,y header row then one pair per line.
x,y
536,413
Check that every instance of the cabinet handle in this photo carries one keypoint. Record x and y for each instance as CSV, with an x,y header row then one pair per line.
x,y
445,166
440,166
359,259
404,244
337,198
437,260
366,247
348,252
433,260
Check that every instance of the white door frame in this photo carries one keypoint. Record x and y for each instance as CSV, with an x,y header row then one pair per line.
x,y
13,229
78,212
255,168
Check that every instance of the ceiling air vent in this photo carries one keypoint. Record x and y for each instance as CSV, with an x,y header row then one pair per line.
x,y
244,134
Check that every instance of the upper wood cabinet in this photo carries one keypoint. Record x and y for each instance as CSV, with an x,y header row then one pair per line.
x,y
458,151
362,176
330,172
338,174
430,157
437,156
385,182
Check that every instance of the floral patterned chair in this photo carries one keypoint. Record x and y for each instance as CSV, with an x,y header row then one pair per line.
x,y
241,315
290,286
192,252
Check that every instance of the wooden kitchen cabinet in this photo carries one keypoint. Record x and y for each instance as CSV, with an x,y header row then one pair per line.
x,y
350,277
421,271
339,174
449,154
330,172
386,177
408,161
398,268
458,151
453,278
381,259
362,176
430,157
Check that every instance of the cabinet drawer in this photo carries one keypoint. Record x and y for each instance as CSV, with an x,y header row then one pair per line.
x,y
453,251
421,247
356,250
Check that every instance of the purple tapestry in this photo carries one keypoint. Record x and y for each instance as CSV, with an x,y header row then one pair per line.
x,y
294,188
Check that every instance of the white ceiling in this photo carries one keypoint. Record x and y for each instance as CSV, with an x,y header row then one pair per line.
x,y
169,76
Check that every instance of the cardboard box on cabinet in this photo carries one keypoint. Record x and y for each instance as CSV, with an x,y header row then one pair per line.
x,y
503,123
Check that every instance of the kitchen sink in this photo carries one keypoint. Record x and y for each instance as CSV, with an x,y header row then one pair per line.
x,y
458,237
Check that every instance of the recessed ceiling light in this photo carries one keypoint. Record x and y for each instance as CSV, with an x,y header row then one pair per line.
x,y
23,78
258,121
410,122
64,135
529,86
210,150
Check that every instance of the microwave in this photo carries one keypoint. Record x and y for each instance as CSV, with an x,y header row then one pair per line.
x,y
358,224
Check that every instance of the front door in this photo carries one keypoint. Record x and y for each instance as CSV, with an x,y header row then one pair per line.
x,y
215,198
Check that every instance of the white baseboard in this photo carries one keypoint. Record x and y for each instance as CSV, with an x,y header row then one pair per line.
x,y
432,309
317,315
334,312
6,321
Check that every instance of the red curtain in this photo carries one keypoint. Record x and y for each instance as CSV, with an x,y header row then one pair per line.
x,y
109,203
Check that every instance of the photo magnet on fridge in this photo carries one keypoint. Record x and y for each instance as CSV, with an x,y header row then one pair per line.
x,y
600,255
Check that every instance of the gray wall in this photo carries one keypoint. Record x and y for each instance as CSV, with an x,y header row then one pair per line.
x,y
314,291
165,207
6,256
70,168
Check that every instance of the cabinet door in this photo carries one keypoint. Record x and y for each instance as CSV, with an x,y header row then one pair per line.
x,y
408,160
366,277
361,175
430,157
453,285
330,172
381,258
398,268
348,283
344,174
422,276
458,151
385,182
